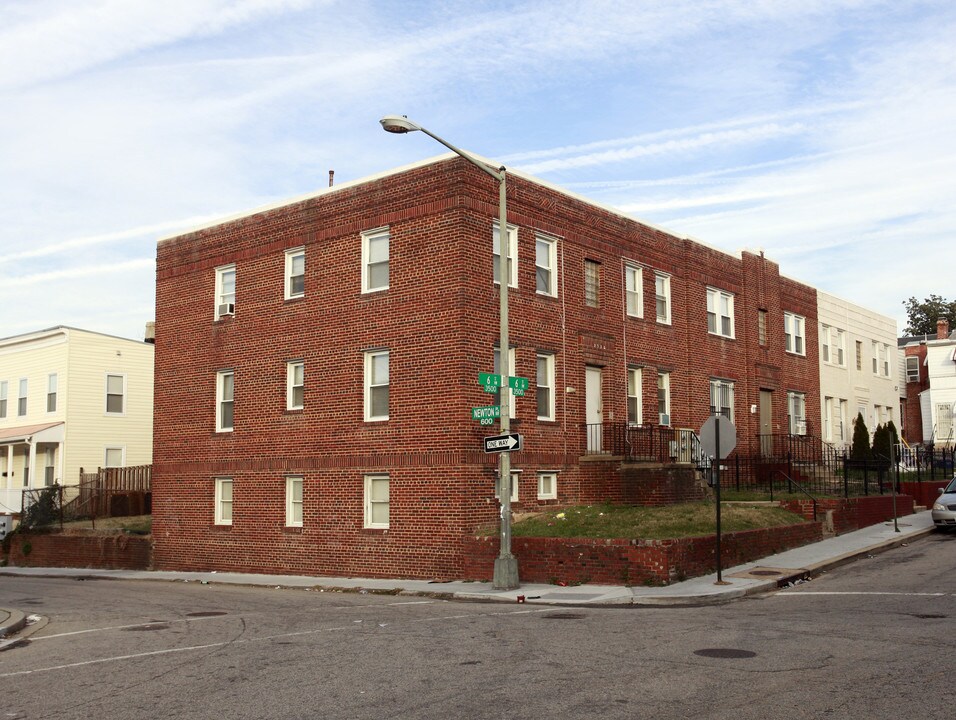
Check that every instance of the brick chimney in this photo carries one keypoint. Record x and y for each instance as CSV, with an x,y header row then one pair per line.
x,y
942,329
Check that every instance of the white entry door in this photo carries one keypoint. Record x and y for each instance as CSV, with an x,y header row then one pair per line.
x,y
594,408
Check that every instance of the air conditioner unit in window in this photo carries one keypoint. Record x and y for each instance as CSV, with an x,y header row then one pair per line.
x,y
227,309
800,427
665,419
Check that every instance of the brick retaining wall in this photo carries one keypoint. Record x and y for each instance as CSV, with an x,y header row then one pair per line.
x,y
107,552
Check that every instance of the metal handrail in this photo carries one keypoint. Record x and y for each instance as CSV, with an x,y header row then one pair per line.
x,y
799,487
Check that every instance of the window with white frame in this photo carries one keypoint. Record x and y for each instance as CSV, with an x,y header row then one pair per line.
x,y
634,290
662,293
225,291
833,348
885,360
793,333
844,427
515,474
223,501
876,357
295,385
912,372
545,262
225,393
294,273
49,467
797,411
828,419
375,253
547,485
720,313
376,501
51,382
635,410
592,283
511,373
22,398
512,254
376,385
664,398
3,398
722,398
293,501
114,456
115,394
544,390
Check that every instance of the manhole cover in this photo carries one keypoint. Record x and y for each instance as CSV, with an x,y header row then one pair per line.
x,y
725,653
146,628
206,613
563,616
765,572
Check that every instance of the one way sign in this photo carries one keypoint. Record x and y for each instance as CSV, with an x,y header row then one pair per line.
x,y
503,443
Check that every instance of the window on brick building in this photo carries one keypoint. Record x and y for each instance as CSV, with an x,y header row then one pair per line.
x,y
664,398
797,411
223,501
592,283
376,501
512,254
912,372
762,327
295,385
293,501
547,485
376,385
294,273
720,313
544,390
635,410
225,391
545,262
793,333
722,398
51,383
662,293
225,291
375,256
634,290
115,394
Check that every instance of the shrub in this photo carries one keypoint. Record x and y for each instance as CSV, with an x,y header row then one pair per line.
x,y
860,449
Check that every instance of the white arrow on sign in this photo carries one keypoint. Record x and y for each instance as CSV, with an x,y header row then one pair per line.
x,y
503,443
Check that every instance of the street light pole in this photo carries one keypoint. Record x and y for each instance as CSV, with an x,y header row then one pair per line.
x,y
506,564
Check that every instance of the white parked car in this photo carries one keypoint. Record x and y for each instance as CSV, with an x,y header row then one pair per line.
x,y
944,509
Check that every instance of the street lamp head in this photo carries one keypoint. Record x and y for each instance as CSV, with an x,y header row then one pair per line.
x,y
398,124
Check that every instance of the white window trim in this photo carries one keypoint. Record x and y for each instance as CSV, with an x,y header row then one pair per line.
x,y
220,518
367,237
912,376
718,384
637,374
634,273
368,522
4,397
220,271
290,256
369,357
52,388
290,502
23,393
220,381
797,401
290,385
106,394
549,371
718,296
106,454
666,377
665,281
794,326
515,479
512,252
551,494
552,268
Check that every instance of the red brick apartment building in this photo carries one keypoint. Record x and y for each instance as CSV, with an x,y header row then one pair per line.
x,y
317,362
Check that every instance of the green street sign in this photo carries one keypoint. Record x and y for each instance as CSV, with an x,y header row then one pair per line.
x,y
516,392
490,381
518,383
488,412
487,421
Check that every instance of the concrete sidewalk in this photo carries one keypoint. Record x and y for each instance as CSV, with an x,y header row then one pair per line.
x,y
747,579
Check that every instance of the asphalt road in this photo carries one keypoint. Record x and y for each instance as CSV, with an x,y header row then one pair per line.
x,y
873,639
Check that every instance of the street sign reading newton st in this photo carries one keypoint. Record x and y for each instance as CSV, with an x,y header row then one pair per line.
x,y
503,443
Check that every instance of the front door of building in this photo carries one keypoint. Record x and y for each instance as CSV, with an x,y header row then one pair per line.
x,y
766,423
594,408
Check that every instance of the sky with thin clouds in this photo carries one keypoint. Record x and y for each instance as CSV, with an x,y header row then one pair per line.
x,y
821,131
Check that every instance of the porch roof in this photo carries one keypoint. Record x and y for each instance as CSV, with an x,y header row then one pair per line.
x,y
46,432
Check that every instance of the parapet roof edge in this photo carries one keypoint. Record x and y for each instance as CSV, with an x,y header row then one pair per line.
x,y
66,330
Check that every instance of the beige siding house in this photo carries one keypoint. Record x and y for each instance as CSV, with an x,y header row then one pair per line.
x,y
71,399
858,368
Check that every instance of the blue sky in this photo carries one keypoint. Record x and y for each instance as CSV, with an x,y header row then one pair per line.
x,y
821,131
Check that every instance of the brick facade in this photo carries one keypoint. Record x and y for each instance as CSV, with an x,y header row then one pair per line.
x,y
438,319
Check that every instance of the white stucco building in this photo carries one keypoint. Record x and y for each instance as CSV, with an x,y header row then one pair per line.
x,y
69,399
858,368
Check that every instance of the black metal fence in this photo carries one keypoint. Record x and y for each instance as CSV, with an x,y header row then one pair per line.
x,y
648,443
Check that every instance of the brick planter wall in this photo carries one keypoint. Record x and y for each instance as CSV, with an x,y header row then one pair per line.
x,y
632,562
854,513
107,552
652,485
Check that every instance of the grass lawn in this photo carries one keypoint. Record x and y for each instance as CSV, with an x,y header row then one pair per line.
x,y
651,523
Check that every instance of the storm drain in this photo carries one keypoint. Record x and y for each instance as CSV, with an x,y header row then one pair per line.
x,y
563,616
207,613
725,653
